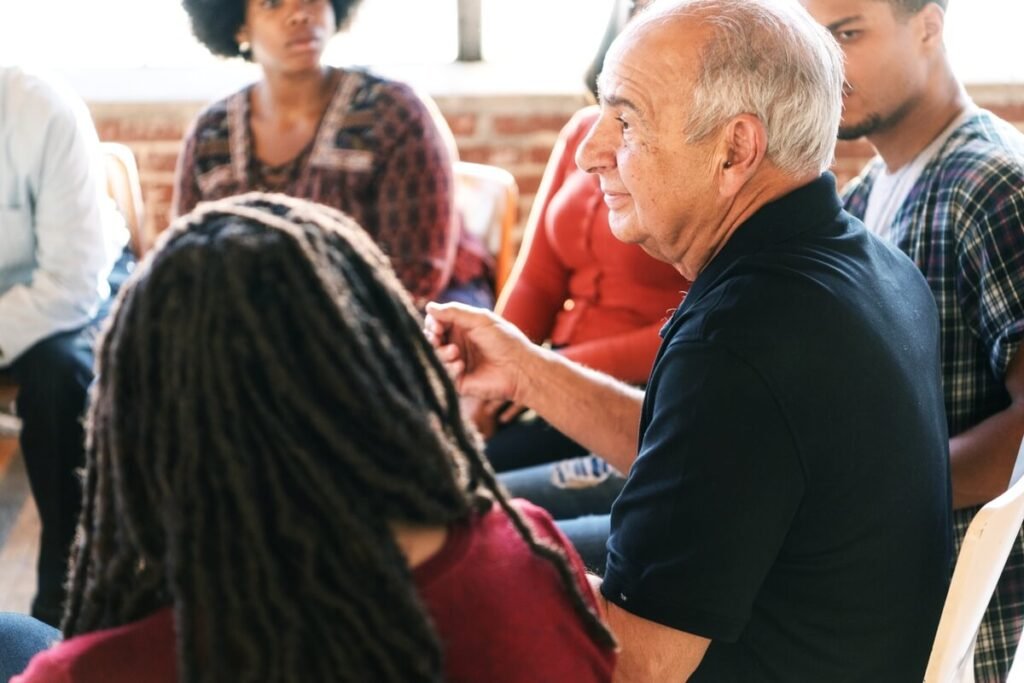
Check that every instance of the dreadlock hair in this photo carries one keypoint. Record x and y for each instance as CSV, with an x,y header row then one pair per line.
x,y
266,403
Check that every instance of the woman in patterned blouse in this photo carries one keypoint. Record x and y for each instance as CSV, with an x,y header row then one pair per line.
x,y
341,137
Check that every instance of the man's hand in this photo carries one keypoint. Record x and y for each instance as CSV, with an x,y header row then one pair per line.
x,y
488,416
484,354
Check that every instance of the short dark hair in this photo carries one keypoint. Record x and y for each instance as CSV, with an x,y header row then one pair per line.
x,y
908,7
215,23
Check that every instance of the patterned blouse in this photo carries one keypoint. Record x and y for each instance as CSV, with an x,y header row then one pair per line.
x,y
377,155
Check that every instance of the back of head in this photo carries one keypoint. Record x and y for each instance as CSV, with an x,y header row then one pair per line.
x,y
768,58
266,404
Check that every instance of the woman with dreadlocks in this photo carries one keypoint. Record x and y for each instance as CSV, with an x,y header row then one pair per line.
x,y
279,485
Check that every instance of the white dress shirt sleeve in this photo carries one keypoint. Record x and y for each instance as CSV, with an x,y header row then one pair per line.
x,y
58,183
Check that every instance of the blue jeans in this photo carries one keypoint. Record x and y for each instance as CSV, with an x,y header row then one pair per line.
x,y
578,494
21,638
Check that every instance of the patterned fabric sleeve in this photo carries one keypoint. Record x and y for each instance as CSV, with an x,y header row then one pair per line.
x,y
415,202
186,189
990,251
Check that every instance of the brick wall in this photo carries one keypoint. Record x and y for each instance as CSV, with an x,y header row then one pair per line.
x,y
514,132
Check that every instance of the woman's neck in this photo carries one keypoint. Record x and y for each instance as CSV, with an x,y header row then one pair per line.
x,y
292,96
418,543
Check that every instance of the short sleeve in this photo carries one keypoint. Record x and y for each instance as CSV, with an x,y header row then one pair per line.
x,y
990,276
710,498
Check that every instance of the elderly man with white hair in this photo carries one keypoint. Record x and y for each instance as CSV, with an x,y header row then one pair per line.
x,y
786,514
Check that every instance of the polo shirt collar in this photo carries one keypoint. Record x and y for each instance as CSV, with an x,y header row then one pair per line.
x,y
814,204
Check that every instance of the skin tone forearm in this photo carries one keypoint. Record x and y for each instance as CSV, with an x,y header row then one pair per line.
x,y
491,360
982,458
649,652
593,409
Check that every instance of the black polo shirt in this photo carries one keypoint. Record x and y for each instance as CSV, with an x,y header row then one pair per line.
x,y
790,500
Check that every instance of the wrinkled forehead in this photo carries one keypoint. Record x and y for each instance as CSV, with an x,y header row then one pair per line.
x,y
653,53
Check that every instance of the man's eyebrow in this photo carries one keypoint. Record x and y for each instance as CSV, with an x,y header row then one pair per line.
x,y
616,101
839,23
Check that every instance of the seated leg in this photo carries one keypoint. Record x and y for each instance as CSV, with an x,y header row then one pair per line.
x,y
21,638
569,488
54,376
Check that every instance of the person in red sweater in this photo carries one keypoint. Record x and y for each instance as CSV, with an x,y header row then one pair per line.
x,y
280,485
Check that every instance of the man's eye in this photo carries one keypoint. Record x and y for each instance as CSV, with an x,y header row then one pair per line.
x,y
622,122
846,36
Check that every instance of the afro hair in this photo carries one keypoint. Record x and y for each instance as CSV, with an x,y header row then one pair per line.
x,y
215,23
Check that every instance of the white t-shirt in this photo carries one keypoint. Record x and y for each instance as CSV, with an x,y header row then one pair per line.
x,y
891,189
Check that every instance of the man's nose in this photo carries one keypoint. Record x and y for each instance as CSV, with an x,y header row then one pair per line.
x,y
597,151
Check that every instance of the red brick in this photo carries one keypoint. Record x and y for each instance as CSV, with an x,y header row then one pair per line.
x,y
157,161
154,193
528,184
462,125
538,155
495,155
160,216
531,123
128,129
1014,113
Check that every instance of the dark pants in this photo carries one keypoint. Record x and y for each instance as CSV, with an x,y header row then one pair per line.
x,y
527,442
54,377
21,638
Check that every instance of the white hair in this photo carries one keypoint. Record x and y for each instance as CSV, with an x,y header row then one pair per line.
x,y
768,58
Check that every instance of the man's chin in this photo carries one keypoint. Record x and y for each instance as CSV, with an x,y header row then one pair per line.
x,y
864,128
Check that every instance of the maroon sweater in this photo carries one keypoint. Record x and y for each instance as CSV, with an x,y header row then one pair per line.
x,y
501,613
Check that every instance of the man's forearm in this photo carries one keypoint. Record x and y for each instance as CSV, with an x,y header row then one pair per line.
x,y
595,410
982,458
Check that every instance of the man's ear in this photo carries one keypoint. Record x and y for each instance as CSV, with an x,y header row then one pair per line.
x,y
931,20
744,144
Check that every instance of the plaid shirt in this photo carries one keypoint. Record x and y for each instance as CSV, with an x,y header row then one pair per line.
x,y
963,225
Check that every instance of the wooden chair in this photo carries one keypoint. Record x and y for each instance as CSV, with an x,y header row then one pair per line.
x,y
487,198
124,188
981,560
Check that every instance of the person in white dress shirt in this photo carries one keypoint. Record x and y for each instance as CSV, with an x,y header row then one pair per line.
x,y
60,238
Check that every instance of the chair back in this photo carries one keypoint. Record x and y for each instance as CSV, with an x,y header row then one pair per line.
x,y
124,188
487,199
981,560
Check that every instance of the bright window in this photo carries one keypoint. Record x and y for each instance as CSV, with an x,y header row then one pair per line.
x,y
984,42
544,33
118,34
539,36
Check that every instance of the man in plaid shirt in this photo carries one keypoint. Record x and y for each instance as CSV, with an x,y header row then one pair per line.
x,y
947,188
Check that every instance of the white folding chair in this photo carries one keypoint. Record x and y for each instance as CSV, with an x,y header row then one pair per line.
x,y
487,197
982,557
